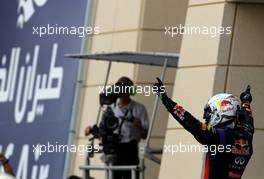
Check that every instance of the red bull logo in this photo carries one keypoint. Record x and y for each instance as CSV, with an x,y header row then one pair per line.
x,y
225,105
241,142
240,147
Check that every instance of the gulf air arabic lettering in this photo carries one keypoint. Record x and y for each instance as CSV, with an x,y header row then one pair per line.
x,y
23,84
26,10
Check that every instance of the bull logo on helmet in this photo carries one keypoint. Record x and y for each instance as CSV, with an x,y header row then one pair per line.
x,y
224,105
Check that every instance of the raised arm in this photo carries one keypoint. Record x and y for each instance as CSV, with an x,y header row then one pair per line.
x,y
203,133
245,118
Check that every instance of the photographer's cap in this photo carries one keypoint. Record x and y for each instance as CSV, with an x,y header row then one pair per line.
x,y
125,81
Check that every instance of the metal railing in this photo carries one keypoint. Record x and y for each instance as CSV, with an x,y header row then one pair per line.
x,y
111,168
140,168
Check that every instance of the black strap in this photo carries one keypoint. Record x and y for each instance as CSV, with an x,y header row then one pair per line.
x,y
232,119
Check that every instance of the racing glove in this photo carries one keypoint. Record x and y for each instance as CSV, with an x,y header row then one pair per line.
x,y
246,96
168,103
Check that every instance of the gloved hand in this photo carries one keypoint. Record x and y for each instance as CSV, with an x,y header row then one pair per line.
x,y
168,103
246,95
159,87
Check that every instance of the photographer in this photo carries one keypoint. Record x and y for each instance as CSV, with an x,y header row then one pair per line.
x,y
133,126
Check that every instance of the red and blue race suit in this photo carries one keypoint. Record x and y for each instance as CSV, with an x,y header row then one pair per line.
x,y
236,144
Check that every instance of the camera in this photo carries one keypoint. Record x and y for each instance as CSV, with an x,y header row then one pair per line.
x,y
109,129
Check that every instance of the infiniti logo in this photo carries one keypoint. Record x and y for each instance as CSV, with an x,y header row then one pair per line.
x,y
240,160
26,10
